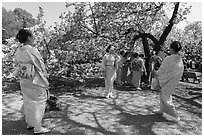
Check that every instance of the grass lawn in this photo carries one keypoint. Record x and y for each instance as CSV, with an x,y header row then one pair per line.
x,y
85,111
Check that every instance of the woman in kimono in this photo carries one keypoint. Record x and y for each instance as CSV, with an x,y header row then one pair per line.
x,y
32,73
169,74
154,64
119,70
143,77
129,73
137,67
125,68
109,67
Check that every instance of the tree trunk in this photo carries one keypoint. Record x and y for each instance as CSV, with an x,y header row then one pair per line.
x,y
167,30
157,43
147,55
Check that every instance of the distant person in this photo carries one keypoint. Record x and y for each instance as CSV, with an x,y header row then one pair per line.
x,y
129,73
137,66
144,74
33,81
119,70
169,75
154,64
125,67
108,68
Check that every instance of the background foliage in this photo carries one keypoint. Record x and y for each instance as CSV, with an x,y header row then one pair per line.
x,y
75,46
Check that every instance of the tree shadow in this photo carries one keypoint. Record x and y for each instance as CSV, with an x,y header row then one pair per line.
x,y
60,86
94,82
194,88
76,125
143,123
190,106
125,88
84,96
10,85
189,101
17,127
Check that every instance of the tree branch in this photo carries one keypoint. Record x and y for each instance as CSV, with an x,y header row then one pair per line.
x,y
170,25
93,19
150,36
148,9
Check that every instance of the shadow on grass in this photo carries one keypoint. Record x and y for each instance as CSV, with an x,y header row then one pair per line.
x,y
84,96
10,85
17,127
76,126
60,86
143,124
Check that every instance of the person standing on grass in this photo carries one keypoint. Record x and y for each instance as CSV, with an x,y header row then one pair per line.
x,y
137,66
33,81
108,68
125,68
154,64
169,74
143,70
119,70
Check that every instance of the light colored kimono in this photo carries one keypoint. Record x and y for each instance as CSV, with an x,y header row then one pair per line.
x,y
33,84
169,74
109,65
137,67
154,63
119,70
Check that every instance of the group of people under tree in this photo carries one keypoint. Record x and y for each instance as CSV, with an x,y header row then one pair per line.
x,y
115,67
124,68
193,62
130,67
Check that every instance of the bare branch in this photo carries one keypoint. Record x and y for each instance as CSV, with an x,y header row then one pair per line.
x,y
93,19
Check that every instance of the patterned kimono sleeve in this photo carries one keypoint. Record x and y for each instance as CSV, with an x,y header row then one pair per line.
x,y
37,61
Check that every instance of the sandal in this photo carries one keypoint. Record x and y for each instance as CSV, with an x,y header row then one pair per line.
x,y
158,112
42,130
29,127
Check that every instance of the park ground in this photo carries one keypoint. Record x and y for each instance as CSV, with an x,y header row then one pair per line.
x,y
85,111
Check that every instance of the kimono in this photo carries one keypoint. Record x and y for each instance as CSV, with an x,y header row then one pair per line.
x,y
109,66
119,70
169,74
125,71
154,64
32,73
137,67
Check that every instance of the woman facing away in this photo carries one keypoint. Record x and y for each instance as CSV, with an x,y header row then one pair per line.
x,y
137,67
169,74
32,73
109,67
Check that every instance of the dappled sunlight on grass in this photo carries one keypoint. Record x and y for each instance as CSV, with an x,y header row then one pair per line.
x,y
85,111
